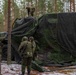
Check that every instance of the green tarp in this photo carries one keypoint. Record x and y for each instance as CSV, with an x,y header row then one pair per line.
x,y
54,33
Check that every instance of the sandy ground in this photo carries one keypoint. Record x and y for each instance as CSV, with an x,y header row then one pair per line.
x,y
15,69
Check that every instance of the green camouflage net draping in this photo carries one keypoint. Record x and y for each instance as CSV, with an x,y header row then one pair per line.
x,y
55,35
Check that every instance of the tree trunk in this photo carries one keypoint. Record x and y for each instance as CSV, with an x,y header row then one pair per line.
x,y
55,5
9,35
72,5
36,8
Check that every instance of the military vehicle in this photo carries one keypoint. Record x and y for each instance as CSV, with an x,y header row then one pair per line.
x,y
3,35
55,35
3,40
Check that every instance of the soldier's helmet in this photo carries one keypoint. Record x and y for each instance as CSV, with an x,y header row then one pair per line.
x,y
24,38
31,38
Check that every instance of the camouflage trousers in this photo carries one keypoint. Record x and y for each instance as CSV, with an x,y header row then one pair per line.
x,y
26,62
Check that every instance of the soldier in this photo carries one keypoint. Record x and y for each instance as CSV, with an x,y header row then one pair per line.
x,y
30,11
31,39
22,45
27,51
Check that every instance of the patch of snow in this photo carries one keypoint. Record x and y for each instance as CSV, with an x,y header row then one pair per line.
x,y
15,69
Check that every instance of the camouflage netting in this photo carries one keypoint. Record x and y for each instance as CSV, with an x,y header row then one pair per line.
x,y
55,35
22,27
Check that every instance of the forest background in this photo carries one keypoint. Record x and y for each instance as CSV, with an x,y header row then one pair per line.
x,y
18,9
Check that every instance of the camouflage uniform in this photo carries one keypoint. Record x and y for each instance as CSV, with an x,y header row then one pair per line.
x,y
27,56
30,11
33,46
